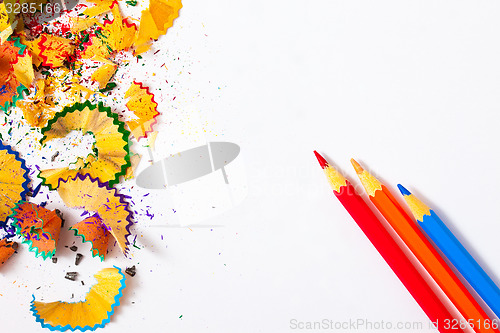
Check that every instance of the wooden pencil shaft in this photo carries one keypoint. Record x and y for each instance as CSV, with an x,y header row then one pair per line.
x,y
401,265
431,259
462,260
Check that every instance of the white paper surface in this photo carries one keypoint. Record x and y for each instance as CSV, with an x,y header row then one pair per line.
x,y
410,89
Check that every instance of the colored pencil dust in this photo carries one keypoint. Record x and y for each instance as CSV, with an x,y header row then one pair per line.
x,y
387,247
454,251
425,252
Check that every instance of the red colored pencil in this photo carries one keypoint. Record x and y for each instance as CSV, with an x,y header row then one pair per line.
x,y
372,227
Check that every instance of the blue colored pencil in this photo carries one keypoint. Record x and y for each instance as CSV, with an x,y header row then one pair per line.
x,y
454,251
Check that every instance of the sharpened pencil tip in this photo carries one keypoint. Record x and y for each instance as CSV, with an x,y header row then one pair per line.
x,y
403,190
359,169
321,160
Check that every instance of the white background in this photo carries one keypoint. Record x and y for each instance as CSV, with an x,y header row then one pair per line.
x,y
409,88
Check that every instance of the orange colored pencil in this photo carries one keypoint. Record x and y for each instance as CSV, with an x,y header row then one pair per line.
x,y
435,265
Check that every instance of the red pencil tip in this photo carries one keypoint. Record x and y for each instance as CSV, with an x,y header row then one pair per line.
x,y
321,160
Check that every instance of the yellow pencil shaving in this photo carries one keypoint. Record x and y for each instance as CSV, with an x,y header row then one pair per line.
x,y
23,70
370,183
91,313
78,24
335,178
417,207
101,7
87,91
33,47
7,31
134,161
152,140
5,19
104,73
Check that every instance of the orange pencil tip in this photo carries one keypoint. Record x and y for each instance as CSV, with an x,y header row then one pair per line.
x,y
359,169
321,160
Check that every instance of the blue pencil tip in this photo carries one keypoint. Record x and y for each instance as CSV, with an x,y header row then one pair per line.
x,y
403,190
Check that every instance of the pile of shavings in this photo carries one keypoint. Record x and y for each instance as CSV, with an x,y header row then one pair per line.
x,y
56,62
55,68
74,57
